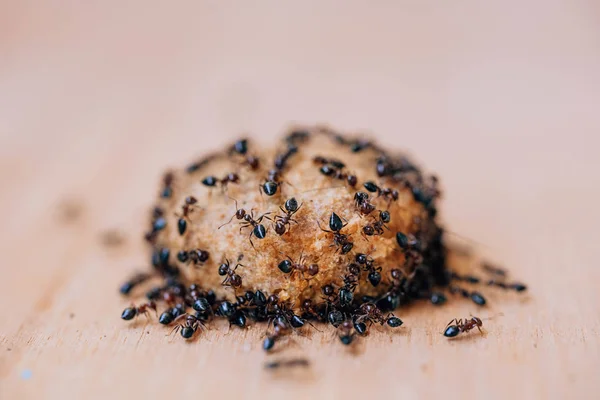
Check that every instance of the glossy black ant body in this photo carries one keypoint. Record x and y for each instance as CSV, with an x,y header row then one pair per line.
x,y
135,280
187,207
290,267
284,221
334,169
461,326
189,326
241,147
339,239
371,313
258,230
282,159
376,228
475,297
390,194
367,261
345,333
270,186
362,203
196,256
212,181
133,311
231,278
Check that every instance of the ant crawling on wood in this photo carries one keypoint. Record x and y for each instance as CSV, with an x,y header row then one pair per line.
x,y
461,326
133,311
189,326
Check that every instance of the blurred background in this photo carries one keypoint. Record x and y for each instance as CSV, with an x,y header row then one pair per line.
x,y
501,99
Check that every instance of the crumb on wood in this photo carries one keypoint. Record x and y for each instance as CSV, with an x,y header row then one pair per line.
x,y
112,238
70,210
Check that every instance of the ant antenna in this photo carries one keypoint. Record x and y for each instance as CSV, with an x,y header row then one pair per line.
x,y
231,219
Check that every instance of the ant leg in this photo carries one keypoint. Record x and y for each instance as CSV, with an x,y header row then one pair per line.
x,y
175,329
449,323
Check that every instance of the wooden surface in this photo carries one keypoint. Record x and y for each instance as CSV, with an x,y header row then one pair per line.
x,y
96,101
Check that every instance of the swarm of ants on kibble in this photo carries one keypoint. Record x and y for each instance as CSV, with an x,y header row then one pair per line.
x,y
323,228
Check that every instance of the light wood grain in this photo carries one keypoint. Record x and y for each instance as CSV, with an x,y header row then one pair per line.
x,y
96,101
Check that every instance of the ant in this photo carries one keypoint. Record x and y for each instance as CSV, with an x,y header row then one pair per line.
x,y
196,256
374,276
333,168
288,266
352,278
361,201
135,280
187,207
167,185
241,147
281,221
211,181
258,230
390,194
462,326
376,228
189,327
281,159
476,297
331,161
271,184
231,278
371,313
345,332
133,311
339,239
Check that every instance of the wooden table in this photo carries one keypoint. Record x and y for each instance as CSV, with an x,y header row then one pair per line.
x,y
96,101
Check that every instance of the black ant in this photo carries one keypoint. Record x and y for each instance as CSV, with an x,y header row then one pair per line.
x,y
376,228
371,313
288,266
281,221
241,147
462,326
475,297
258,230
212,181
135,280
133,311
271,184
339,239
189,327
231,278
187,207
281,159
167,185
333,168
196,256
361,201
374,276
345,332
352,278
390,194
